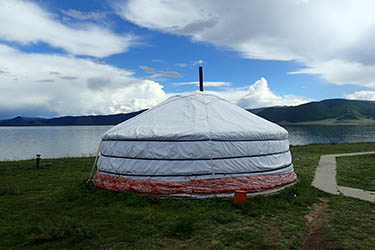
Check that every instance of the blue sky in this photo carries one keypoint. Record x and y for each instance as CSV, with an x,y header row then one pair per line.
x,y
100,57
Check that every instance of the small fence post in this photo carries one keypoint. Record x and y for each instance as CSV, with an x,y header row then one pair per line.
x,y
37,161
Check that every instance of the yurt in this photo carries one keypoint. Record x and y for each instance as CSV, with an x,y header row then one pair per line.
x,y
195,145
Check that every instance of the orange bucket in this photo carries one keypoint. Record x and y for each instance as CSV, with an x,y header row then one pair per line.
x,y
239,197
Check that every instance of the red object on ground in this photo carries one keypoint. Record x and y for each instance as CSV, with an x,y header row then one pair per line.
x,y
239,197
194,187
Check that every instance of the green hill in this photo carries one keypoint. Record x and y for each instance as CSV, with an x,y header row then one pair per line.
x,y
70,120
333,111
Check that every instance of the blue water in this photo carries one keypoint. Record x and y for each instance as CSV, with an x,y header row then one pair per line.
x,y
309,134
17,143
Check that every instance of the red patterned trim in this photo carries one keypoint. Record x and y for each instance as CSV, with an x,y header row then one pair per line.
x,y
199,187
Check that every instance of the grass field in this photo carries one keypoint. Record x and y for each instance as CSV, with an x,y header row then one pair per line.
x,y
356,171
54,208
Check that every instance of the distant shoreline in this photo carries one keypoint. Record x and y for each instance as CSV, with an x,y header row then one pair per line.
x,y
331,122
328,122
79,125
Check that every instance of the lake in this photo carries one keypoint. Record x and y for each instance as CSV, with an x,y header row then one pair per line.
x,y
18,143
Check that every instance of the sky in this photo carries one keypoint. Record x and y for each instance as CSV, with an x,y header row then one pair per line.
x,y
90,57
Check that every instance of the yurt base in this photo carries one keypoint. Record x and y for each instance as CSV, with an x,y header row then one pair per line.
x,y
272,191
220,187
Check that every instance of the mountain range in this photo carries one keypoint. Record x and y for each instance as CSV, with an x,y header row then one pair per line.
x,y
70,120
331,111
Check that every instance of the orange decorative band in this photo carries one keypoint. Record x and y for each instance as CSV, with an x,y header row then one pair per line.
x,y
198,187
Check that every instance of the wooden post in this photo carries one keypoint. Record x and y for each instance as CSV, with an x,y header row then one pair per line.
x,y
200,78
37,161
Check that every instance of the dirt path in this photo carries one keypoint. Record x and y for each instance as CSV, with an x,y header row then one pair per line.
x,y
314,238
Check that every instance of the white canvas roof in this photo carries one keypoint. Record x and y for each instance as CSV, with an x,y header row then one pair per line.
x,y
196,116
195,136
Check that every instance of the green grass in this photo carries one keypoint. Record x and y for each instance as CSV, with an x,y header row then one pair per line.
x,y
62,228
353,218
54,208
356,171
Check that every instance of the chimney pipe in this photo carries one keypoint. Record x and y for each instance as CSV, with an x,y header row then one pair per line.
x,y
200,78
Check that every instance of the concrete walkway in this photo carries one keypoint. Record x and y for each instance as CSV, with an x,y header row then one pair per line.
x,y
325,178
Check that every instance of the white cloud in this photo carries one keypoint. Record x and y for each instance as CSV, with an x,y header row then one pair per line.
x,y
343,72
65,85
315,33
27,23
361,95
145,95
208,83
198,62
173,74
80,15
181,64
157,73
259,95
148,70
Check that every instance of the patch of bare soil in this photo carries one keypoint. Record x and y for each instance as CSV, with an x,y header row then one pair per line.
x,y
314,238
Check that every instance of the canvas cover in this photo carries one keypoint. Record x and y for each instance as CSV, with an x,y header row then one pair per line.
x,y
194,137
